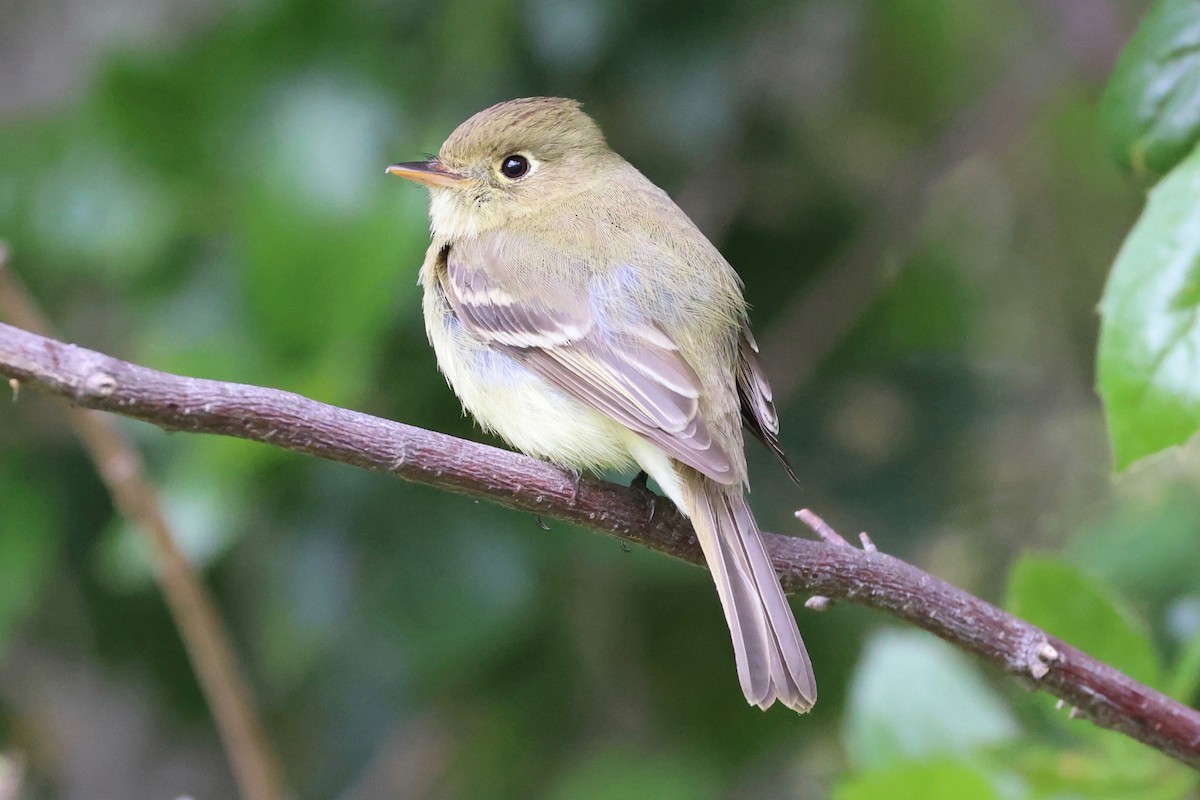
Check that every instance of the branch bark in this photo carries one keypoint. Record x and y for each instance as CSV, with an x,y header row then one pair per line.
x,y
282,419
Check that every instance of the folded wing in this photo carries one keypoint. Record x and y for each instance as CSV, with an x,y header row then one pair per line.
x,y
758,404
631,371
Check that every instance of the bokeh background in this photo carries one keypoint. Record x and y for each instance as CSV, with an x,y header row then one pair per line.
x,y
924,215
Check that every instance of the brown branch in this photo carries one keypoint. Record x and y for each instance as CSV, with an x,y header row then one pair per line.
x,y
208,644
93,380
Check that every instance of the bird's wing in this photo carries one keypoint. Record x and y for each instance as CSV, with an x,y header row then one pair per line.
x,y
632,371
758,404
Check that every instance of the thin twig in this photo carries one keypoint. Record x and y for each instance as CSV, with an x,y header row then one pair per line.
x,y
282,419
208,644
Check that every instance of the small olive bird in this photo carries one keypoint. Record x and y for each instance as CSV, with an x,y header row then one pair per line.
x,y
578,313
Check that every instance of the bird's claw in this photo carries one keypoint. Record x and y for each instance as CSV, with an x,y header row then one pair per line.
x,y
576,479
641,482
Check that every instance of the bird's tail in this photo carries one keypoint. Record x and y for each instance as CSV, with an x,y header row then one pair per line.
x,y
772,663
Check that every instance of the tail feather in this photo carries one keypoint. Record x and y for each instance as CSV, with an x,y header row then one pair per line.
x,y
772,662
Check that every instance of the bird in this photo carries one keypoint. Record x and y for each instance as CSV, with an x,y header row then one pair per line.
x,y
580,315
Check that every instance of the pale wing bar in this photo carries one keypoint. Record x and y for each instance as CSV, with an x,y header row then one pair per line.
x,y
636,376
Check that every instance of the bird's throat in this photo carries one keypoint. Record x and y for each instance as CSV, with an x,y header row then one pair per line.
x,y
452,216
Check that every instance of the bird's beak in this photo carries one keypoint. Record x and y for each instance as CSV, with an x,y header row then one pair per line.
x,y
430,173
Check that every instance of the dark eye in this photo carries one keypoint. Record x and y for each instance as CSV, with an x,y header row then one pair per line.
x,y
514,166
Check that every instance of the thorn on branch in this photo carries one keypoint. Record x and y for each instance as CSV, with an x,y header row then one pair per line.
x,y
1041,655
819,602
1073,712
99,384
821,528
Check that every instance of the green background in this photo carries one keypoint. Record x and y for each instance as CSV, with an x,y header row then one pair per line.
x,y
924,208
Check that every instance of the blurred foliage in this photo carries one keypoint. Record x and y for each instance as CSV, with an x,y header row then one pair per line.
x,y
913,697
199,187
942,780
1150,111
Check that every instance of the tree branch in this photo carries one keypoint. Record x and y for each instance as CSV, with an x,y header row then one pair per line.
x,y
208,644
282,419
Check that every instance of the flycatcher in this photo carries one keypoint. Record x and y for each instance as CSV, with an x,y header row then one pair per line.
x,y
578,313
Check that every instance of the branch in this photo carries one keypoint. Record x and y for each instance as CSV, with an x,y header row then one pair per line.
x,y
208,645
282,419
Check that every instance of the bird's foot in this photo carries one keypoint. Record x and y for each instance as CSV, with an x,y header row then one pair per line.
x,y
641,483
576,478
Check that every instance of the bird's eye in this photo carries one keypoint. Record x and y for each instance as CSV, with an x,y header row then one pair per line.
x,y
514,166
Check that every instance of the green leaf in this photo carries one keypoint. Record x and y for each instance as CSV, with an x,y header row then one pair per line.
x,y
1144,545
945,780
1150,112
1066,603
1149,356
913,696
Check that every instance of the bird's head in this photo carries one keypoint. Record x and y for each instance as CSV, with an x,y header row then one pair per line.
x,y
509,161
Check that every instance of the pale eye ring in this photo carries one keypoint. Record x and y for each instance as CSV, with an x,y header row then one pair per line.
x,y
514,166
